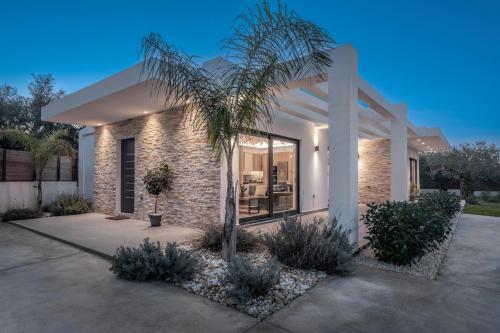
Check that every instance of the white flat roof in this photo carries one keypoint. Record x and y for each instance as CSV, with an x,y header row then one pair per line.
x,y
125,95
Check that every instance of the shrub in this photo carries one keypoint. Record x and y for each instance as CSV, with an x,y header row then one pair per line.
x,y
20,214
251,280
401,232
316,245
495,198
150,262
69,204
472,200
488,197
212,239
441,201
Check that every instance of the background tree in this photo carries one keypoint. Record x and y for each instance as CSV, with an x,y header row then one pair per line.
x,y
24,113
468,164
14,110
267,49
42,149
434,180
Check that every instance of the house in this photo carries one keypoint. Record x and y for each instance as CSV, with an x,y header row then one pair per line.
x,y
335,143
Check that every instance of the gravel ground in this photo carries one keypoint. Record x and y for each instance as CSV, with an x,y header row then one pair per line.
x,y
209,282
427,266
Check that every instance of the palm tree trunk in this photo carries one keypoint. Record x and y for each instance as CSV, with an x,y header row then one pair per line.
x,y
466,191
39,194
229,228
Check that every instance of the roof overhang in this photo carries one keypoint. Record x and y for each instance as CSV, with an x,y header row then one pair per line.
x,y
428,139
119,97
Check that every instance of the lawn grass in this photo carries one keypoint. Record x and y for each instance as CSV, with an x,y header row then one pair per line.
x,y
484,208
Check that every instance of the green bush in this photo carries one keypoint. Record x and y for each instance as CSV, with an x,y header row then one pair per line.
x,y
69,204
495,198
20,214
401,232
251,280
440,201
316,245
488,197
212,239
472,200
151,262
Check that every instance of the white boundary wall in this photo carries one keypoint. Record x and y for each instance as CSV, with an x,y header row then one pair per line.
x,y
23,194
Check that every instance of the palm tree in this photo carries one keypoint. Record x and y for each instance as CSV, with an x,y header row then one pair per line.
x,y
267,49
42,149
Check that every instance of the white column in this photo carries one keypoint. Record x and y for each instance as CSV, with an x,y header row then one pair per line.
x,y
343,139
399,154
86,153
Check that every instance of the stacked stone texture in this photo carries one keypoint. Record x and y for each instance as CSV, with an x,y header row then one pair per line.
x,y
374,173
163,137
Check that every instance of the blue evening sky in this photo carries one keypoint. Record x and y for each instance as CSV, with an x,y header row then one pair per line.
x,y
440,57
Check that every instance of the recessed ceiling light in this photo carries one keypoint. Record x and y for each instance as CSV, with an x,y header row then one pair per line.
x,y
423,143
99,124
418,140
145,112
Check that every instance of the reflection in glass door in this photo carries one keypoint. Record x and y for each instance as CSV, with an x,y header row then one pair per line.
x,y
284,187
267,176
254,177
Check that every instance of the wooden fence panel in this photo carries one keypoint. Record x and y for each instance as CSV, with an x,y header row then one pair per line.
x,y
50,171
65,168
2,165
19,166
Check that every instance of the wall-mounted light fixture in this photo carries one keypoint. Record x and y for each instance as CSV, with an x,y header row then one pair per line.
x,y
316,149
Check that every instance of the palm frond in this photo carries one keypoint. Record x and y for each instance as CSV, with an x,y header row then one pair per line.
x,y
172,73
57,145
50,145
269,48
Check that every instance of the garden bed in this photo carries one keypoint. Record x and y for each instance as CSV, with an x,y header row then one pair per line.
x,y
209,282
427,266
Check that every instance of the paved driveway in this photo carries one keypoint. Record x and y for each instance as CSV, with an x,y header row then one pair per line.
x,y
46,286
464,298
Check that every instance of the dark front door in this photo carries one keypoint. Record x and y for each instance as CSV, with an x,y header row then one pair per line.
x,y
127,175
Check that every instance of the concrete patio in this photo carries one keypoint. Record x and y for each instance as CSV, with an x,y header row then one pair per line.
x,y
94,233
47,286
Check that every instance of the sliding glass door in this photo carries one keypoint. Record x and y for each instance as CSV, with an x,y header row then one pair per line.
x,y
268,176
254,177
284,166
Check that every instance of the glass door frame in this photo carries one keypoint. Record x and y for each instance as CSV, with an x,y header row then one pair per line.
x,y
413,171
271,214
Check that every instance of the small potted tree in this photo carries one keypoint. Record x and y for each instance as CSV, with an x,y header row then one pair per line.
x,y
158,181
